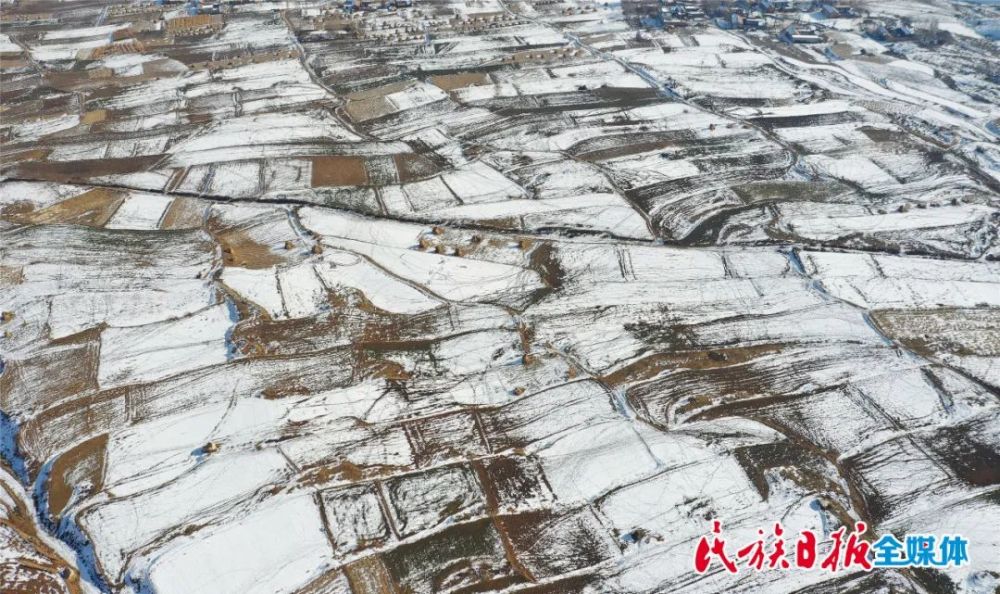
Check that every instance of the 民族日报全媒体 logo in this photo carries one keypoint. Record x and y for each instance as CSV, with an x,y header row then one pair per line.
x,y
842,551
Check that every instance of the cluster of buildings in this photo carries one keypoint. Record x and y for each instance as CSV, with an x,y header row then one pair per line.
x,y
197,7
734,14
887,29
661,13
369,5
776,15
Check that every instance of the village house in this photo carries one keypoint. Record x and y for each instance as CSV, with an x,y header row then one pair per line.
x,y
838,11
777,5
797,33
881,30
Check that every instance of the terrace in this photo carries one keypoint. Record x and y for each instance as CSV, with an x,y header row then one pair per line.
x,y
488,296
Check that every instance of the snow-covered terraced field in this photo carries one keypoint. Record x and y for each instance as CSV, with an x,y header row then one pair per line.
x,y
493,296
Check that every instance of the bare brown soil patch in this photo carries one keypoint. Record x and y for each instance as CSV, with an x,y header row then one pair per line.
x,y
35,154
371,103
883,135
368,109
10,276
802,466
966,449
29,577
413,167
625,150
278,392
369,576
92,208
82,465
338,171
446,560
14,211
450,82
503,223
789,190
508,480
27,574
627,95
372,333
54,429
381,91
239,249
82,171
183,213
13,63
52,375
967,332
338,471
651,366
77,80
94,117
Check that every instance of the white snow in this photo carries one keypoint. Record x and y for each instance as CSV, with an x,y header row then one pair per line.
x,y
156,351
140,211
278,547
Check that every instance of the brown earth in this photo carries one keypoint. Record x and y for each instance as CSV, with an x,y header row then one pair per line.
x,y
183,213
52,375
368,109
369,576
338,171
19,534
413,167
35,154
381,91
81,171
92,208
240,249
450,82
82,465
652,365
964,332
